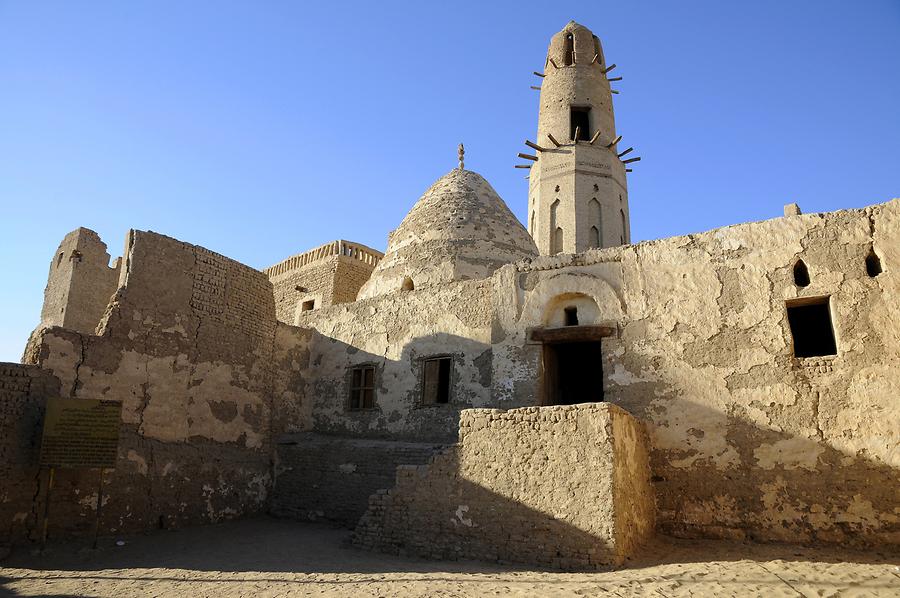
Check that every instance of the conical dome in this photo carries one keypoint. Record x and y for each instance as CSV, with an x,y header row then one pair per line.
x,y
459,229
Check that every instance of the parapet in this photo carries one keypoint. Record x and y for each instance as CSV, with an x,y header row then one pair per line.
x,y
329,274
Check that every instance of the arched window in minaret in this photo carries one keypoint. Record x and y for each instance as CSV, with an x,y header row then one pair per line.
x,y
556,232
597,47
569,50
596,222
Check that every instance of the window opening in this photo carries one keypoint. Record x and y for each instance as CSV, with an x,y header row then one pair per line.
x,y
580,122
569,50
811,328
873,263
408,284
362,388
624,226
594,241
436,381
308,305
801,274
558,238
571,316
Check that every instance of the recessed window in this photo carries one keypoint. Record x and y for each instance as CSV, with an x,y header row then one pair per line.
x,y
811,329
436,381
580,123
308,305
408,284
569,50
571,316
801,274
873,263
362,387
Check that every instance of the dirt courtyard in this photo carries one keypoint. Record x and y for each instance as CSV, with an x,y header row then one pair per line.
x,y
272,557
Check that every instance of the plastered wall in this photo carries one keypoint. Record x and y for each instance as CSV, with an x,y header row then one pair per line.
x,y
533,485
187,346
748,441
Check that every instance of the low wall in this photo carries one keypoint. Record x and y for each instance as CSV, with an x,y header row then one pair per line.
x,y
565,487
24,390
331,478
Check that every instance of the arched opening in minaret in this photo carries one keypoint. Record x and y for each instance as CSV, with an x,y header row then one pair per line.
x,y
624,227
580,123
569,50
557,245
596,221
554,207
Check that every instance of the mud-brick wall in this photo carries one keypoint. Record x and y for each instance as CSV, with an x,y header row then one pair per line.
x,y
748,441
327,281
330,478
187,346
394,333
566,487
24,390
80,282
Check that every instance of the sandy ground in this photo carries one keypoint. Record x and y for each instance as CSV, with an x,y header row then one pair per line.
x,y
270,557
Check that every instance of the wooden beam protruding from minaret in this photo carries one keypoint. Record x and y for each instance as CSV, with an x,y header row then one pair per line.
x,y
628,151
527,156
534,146
553,140
614,141
609,68
595,137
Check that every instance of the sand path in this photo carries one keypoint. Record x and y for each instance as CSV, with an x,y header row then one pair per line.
x,y
270,557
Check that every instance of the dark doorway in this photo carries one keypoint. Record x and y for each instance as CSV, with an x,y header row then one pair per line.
x,y
811,329
572,373
580,122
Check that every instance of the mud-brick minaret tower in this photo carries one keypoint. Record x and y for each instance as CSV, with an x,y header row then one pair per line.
x,y
577,196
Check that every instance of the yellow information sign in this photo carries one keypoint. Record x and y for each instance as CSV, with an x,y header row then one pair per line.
x,y
81,433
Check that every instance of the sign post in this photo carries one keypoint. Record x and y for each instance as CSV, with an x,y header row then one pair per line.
x,y
79,434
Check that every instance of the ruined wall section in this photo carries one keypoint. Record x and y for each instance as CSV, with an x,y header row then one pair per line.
x,y
395,333
187,346
748,440
536,485
80,283
330,478
321,277
24,390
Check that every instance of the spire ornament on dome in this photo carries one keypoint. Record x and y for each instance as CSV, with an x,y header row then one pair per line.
x,y
461,152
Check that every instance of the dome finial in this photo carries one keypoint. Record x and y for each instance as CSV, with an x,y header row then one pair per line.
x,y
461,152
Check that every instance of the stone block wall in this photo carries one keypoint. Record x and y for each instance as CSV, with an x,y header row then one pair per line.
x,y
80,283
564,487
330,478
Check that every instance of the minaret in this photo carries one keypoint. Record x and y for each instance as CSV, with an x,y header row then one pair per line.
x,y
577,196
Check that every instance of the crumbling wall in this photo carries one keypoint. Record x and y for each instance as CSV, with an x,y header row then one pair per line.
x,y
330,478
80,283
394,333
187,346
24,390
537,485
748,441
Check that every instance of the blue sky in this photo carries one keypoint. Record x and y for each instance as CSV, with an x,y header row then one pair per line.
x,y
261,129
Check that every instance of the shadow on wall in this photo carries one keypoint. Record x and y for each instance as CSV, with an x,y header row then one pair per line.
x,y
406,405
764,485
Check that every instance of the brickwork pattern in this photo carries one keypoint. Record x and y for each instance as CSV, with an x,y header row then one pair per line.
x,y
534,485
331,478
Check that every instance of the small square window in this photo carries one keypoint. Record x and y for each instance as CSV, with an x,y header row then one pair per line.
x,y
362,387
308,305
811,329
436,381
